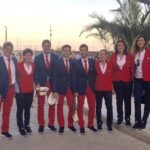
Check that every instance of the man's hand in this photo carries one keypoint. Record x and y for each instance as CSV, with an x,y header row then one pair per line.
x,y
76,94
37,86
56,95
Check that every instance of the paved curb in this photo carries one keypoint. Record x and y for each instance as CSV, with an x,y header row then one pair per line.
x,y
141,135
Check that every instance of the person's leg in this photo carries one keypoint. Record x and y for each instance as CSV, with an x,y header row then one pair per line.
x,y
99,98
28,103
51,112
138,90
41,102
80,110
69,96
60,113
108,102
19,113
7,104
91,104
127,88
119,101
147,103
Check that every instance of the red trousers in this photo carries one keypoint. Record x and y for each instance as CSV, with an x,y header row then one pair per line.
x,y
91,104
60,114
7,104
51,111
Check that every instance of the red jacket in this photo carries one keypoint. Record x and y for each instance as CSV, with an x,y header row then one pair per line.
x,y
127,72
146,65
103,82
25,80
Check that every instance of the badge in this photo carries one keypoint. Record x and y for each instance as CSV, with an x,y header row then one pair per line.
x,y
148,58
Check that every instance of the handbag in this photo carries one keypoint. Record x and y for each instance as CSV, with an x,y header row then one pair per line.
x,y
52,100
75,115
42,90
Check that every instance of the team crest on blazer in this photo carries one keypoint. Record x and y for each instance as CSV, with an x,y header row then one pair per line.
x,y
148,58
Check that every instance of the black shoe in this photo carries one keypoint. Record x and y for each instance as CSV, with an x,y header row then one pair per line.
x,y
119,122
23,132
93,129
52,128
137,125
28,129
72,128
7,135
128,123
99,127
41,129
82,130
61,130
143,125
110,128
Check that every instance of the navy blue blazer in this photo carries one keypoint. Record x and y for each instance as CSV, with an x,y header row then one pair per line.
x,y
62,79
41,71
4,76
82,79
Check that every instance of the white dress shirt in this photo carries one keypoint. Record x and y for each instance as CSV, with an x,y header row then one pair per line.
x,y
103,67
27,68
12,67
83,63
65,62
139,57
49,57
121,61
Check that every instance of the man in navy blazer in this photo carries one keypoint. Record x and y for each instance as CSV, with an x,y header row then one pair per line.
x,y
44,68
83,82
62,84
8,74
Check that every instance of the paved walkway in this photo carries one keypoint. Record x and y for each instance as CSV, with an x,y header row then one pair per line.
x,y
69,141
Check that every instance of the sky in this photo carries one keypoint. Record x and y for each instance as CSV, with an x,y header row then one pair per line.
x,y
28,21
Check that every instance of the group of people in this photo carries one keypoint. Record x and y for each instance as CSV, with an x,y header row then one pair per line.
x,y
82,78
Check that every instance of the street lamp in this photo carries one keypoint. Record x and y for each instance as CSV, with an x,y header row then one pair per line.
x,y
5,33
50,32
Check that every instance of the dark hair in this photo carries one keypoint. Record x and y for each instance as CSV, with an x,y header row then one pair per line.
x,y
135,47
125,46
46,41
83,45
66,46
27,50
7,44
104,50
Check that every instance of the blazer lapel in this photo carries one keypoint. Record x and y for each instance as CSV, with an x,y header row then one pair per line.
x,y
81,66
4,66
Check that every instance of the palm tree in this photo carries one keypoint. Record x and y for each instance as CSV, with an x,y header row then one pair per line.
x,y
130,19
145,1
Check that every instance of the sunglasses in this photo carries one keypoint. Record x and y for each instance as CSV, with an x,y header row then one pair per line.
x,y
138,62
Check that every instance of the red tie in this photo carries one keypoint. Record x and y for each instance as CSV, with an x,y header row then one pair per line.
x,y
85,66
47,62
9,72
67,65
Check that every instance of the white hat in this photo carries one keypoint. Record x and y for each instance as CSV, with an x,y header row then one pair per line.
x,y
52,100
42,90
